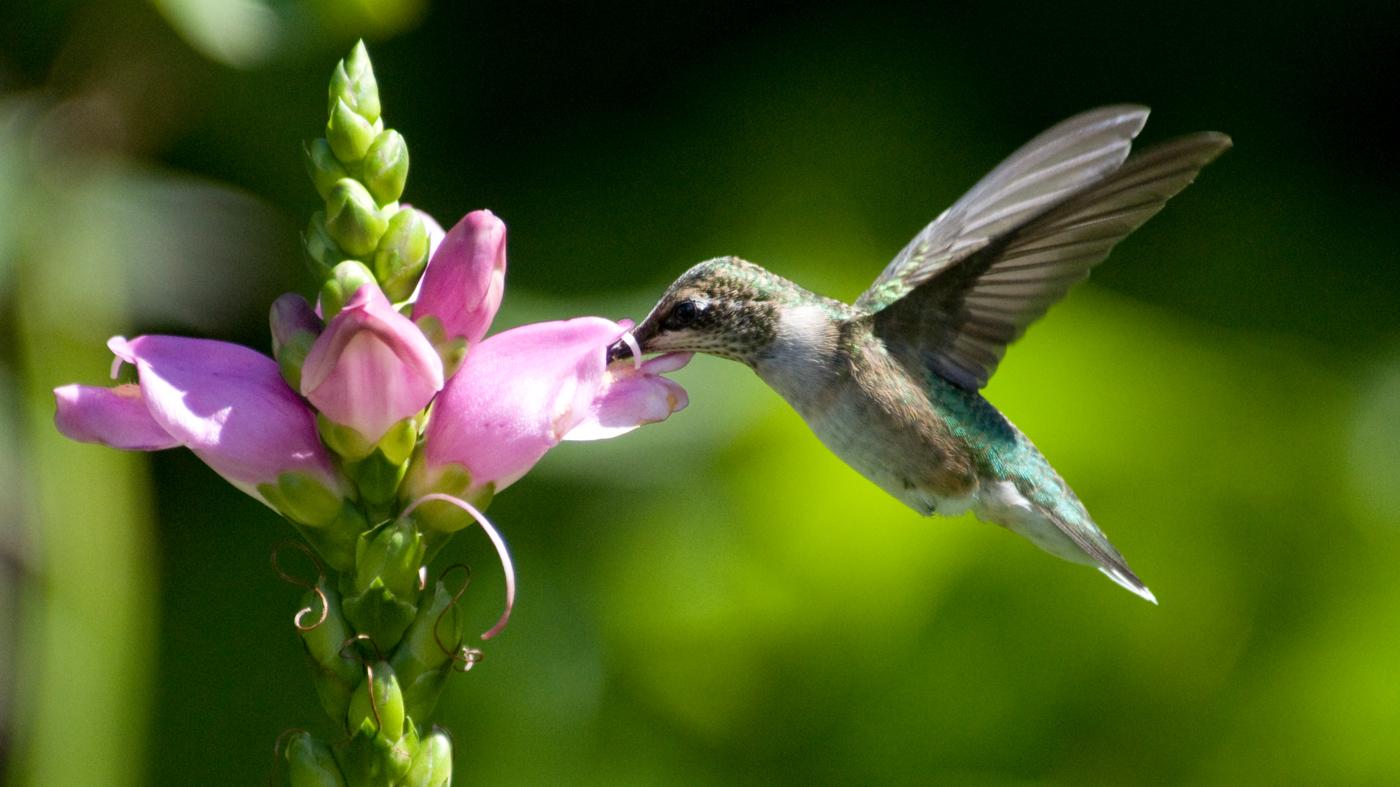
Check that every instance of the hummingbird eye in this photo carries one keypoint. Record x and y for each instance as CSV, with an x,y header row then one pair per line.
x,y
682,315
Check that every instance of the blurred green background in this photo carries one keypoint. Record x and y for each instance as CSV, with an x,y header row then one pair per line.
x,y
717,600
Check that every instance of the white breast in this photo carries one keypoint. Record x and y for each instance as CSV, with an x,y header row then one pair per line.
x,y
797,363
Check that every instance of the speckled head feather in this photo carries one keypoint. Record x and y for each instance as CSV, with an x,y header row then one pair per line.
x,y
726,307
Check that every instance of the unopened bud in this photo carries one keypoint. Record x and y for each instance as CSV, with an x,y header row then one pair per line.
x,y
391,555
432,767
353,82
349,134
323,167
310,763
346,279
295,327
402,254
322,252
383,714
353,220
385,168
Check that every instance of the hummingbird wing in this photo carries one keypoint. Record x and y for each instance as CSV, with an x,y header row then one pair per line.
x,y
975,278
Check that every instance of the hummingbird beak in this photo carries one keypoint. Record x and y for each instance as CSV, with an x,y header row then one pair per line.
x,y
619,351
622,349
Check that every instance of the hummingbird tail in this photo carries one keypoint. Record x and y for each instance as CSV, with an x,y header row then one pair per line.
x,y
1059,526
1129,580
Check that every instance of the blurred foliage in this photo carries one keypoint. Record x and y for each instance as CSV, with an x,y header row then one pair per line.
x,y
718,600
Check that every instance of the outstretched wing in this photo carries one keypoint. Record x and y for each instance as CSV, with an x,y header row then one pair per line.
x,y
1059,161
963,309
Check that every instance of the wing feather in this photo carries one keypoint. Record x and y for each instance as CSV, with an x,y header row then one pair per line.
x,y
959,315
1042,172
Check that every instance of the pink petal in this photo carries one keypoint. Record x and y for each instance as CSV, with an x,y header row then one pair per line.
x,y
230,406
372,367
632,398
516,396
115,417
466,277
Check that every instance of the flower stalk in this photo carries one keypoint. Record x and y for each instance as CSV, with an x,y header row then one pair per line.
x,y
383,423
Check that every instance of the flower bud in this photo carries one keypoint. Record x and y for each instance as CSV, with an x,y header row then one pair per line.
x,y
323,167
349,134
392,555
322,252
402,254
295,327
334,675
352,218
346,279
383,716
432,767
310,763
353,82
419,660
385,168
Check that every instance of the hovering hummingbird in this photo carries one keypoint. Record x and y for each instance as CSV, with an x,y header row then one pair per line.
x,y
890,383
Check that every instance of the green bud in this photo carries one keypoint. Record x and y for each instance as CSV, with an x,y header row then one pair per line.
x,y
323,167
385,168
392,555
346,279
433,765
334,675
383,716
353,82
322,252
353,221
402,254
349,134
419,661
310,763
345,441
295,327
335,542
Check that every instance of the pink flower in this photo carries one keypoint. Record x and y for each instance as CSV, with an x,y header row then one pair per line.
x,y
523,391
371,367
466,278
226,403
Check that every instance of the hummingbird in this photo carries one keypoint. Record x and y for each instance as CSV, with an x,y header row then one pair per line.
x,y
891,383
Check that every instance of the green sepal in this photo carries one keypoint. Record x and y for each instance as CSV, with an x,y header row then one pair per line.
x,y
433,765
388,702
323,166
377,476
402,254
349,134
322,252
334,675
345,280
303,499
310,763
452,351
336,542
385,168
353,82
345,441
398,443
420,661
353,220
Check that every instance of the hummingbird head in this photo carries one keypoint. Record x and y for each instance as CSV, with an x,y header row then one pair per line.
x,y
726,307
